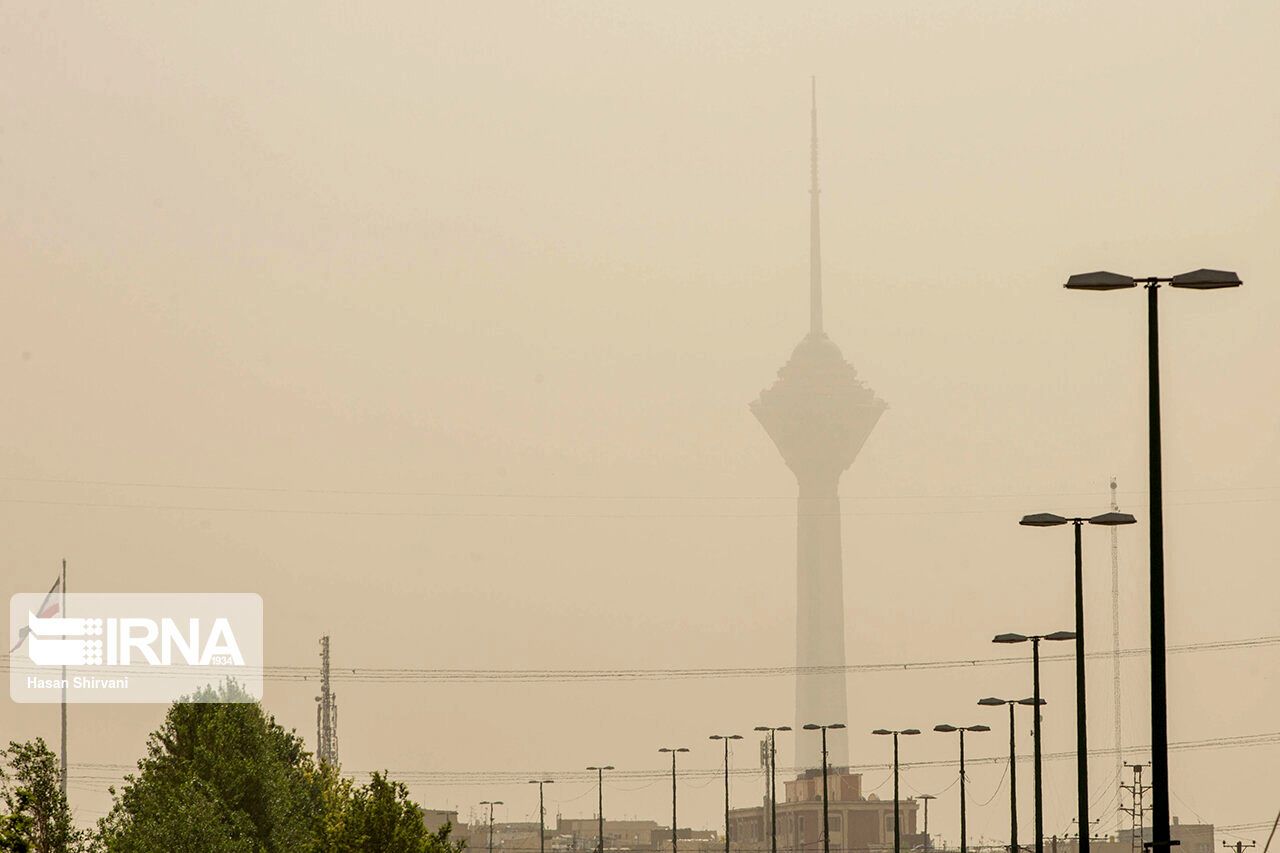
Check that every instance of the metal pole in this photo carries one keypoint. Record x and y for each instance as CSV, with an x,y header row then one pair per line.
x,y
964,844
673,801
726,795
826,830
897,825
62,612
773,790
1082,738
1035,680
1159,710
542,822
600,777
1013,782
491,828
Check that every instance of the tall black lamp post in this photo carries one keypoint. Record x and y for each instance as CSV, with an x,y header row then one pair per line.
x,y
673,750
491,804
897,822
992,701
773,782
1196,280
542,813
826,822
1107,519
1034,639
600,793
726,739
947,727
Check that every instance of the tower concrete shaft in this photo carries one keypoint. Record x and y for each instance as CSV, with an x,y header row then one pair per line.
x,y
818,414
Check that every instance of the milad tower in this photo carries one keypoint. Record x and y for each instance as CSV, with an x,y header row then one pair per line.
x,y
819,414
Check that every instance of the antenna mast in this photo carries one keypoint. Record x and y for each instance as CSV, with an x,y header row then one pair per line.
x,y
326,712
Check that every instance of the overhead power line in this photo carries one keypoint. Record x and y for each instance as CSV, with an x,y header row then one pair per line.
x,y
410,675
102,772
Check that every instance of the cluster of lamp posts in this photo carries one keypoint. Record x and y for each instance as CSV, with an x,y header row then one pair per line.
x,y
1202,279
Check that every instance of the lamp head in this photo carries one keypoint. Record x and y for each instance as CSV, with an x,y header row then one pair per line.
x,y
811,727
910,732
978,728
882,732
1112,519
1061,635
945,727
1042,519
1030,700
1009,638
992,701
1100,281
1206,280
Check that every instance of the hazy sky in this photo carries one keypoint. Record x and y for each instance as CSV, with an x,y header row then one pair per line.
x,y
535,260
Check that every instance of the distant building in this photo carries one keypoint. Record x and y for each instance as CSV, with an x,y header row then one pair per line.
x,y
857,822
1191,838
434,819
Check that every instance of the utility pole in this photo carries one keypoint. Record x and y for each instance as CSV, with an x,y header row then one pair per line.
x,y
1137,792
326,711
1239,846
1115,651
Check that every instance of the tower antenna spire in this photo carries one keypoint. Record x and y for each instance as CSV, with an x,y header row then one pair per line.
x,y
815,230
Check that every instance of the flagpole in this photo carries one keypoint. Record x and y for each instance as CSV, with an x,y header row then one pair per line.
x,y
63,608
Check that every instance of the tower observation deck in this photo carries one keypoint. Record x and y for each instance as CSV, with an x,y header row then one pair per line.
x,y
819,414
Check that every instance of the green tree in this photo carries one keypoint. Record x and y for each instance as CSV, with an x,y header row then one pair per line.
x,y
36,817
379,817
219,777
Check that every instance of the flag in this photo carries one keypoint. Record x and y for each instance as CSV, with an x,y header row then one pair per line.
x,y
51,606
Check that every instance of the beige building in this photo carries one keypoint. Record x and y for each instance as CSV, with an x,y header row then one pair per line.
x,y
857,822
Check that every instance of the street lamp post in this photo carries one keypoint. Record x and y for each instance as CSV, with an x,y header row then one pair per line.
x,y
773,782
542,813
1202,279
491,804
1034,639
600,792
673,750
1107,519
897,823
826,824
928,844
947,727
726,739
992,701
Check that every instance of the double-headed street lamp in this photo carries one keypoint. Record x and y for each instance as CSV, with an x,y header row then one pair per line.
x,y
600,791
673,750
1056,636
1107,519
491,804
826,825
992,701
773,782
947,727
897,823
726,739
542,813
1195,280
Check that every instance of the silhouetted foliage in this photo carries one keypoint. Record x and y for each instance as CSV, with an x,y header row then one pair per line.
x,y
36,818
220,776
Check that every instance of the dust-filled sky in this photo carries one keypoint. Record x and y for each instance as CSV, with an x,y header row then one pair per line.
x,y
467,301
